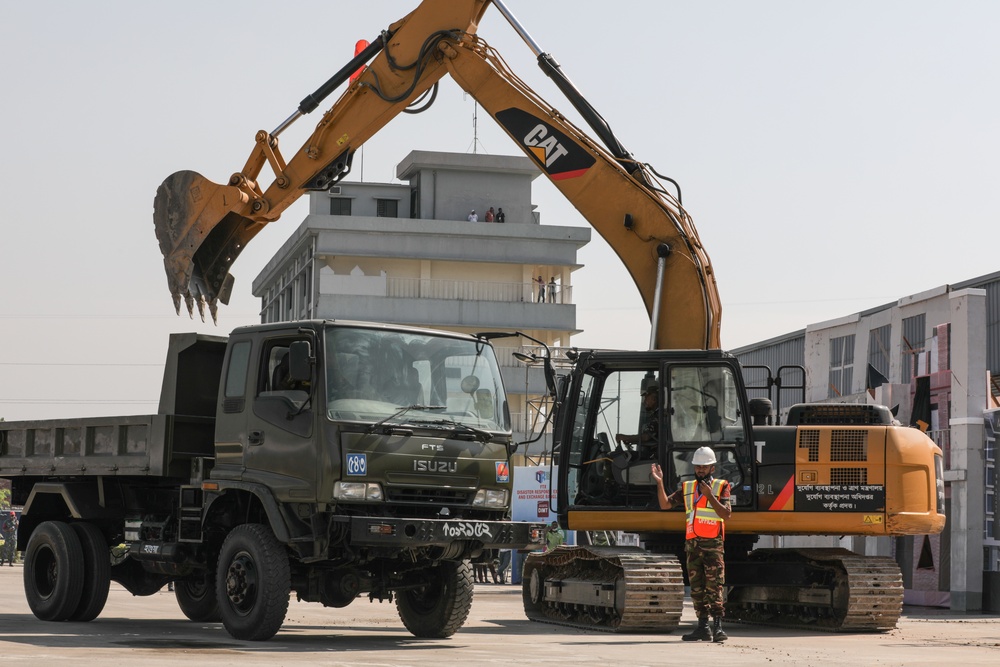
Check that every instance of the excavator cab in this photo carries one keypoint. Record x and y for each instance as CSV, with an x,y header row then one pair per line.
x,y
612,432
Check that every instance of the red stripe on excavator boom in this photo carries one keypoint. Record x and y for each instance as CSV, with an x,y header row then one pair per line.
x,y
568,174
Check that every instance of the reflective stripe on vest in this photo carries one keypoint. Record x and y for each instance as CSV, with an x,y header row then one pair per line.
x,y
702,521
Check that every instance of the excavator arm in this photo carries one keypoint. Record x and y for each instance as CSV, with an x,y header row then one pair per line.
x,y
203,226
618,196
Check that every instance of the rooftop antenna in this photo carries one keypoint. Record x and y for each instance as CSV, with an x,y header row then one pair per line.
x,y
475,125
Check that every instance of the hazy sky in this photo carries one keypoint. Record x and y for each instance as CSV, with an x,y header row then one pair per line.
x,y
834,156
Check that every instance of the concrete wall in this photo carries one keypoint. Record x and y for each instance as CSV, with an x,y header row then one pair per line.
x,y
451,313
449,185
968,435
363,199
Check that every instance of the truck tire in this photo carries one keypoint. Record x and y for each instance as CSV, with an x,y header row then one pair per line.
x,y
197,599
253,582
438,608
96,572
53,571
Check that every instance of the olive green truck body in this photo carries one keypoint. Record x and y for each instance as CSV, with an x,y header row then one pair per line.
x,y
329,459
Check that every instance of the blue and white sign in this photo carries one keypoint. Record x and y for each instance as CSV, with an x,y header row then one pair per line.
x,y
357,464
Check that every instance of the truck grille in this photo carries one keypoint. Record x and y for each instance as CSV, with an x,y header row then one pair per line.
x,y
430,496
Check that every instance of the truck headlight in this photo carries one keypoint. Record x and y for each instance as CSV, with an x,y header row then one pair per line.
x,y
490,498
357,491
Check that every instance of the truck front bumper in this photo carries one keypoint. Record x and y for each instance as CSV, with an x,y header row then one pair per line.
x,y
396,532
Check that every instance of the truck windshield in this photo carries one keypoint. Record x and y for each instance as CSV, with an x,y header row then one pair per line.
x,y
373,374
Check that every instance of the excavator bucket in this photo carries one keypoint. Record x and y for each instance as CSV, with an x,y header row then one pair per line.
x,y
201,233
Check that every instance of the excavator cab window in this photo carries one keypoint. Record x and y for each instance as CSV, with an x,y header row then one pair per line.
x,y
626,417
704,408
703,405
615,438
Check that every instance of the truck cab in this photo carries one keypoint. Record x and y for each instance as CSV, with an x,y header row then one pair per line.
x,y
369,419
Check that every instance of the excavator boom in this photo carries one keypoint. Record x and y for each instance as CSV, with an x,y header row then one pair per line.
x,y
203,226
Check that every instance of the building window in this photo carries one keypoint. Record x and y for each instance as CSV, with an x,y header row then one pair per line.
x,y
340,206
911,346
841,366
878,348
386,208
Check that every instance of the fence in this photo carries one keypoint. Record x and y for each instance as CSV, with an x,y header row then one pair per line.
x,y
471,290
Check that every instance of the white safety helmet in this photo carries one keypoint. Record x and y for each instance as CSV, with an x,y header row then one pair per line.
x,y
703,456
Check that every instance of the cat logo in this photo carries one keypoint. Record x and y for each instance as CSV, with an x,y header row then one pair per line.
x,y
556,153
544,146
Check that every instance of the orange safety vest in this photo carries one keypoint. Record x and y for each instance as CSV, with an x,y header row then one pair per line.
x,y
702,521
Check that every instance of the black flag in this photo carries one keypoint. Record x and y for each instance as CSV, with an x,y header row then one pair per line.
x,y
874,379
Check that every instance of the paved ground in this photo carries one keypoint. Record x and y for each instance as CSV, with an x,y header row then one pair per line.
x,y
152,631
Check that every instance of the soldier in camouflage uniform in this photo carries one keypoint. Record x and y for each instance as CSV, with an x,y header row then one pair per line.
x,y
707,505
8,527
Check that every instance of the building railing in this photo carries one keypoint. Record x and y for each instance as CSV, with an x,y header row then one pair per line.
x,y
473,290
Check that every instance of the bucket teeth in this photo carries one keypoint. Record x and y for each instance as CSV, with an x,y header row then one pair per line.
x,y
201,230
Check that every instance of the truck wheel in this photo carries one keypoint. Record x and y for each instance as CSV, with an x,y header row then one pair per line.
x,y
96,572
53,571
439,607
253,582
196,598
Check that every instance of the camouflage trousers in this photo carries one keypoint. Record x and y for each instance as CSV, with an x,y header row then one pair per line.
x,y
8,550
707,575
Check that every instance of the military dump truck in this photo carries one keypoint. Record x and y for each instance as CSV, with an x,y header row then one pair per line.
x,y
337,460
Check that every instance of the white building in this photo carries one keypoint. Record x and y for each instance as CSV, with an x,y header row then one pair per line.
x,y
407,254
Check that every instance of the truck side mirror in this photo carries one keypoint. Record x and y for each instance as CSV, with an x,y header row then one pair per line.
x,y
300,361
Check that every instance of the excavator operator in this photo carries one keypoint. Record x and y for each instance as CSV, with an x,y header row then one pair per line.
x,y
646,439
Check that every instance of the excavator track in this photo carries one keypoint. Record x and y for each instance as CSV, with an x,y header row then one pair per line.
x,y
824,589
614,589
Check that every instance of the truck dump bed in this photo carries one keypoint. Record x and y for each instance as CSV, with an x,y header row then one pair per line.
x,y
161,445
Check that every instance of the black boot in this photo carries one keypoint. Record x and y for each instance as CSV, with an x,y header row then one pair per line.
x,y
717,631
702,633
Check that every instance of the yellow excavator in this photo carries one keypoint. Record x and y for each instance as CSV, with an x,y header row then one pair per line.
x,y
830,470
